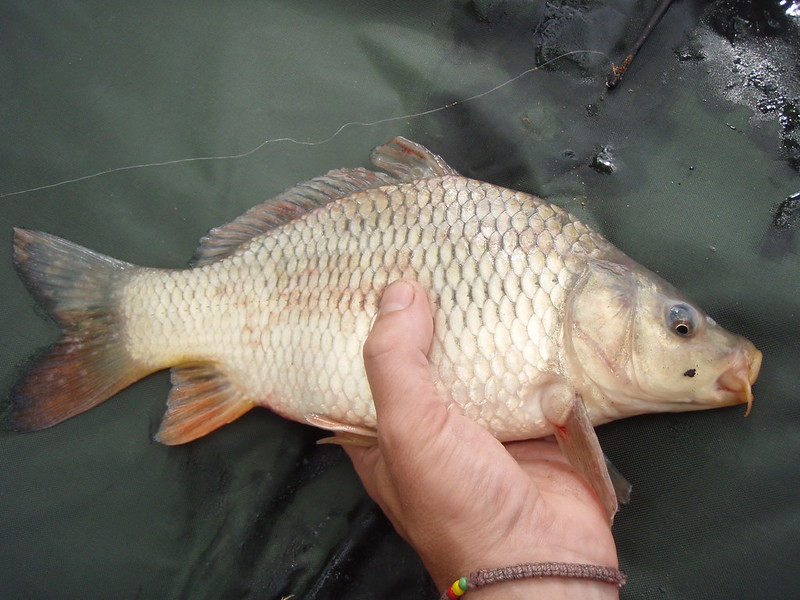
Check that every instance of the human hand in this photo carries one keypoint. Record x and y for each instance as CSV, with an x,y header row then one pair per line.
x,y
463,500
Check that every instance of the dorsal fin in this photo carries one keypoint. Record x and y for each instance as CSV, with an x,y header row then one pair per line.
x,y
293,203
409,160
404,159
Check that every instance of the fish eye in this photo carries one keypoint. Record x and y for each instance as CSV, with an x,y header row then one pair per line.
x,y
682,320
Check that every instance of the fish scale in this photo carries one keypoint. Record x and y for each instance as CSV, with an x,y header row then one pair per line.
x,y
540,324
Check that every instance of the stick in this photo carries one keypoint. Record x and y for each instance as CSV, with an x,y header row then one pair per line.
x,y
617,72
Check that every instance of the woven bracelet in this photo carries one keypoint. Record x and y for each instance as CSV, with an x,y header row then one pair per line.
x,y
484,577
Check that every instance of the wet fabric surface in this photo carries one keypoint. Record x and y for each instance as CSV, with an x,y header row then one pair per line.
x,y
686,166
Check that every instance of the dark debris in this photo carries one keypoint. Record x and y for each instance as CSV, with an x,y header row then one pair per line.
x,y
603,161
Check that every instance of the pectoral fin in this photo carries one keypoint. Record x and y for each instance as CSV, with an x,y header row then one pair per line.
x,y
579,443
622,487
346,435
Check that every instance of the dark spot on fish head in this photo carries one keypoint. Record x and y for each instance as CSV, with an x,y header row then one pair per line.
x,y
690,373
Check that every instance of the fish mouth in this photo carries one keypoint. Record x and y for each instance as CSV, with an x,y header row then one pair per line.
x,y
736,382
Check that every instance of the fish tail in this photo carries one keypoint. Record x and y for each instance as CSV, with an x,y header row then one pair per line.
x,y
89,363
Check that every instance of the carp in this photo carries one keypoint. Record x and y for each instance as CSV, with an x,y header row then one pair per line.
x,y
541,325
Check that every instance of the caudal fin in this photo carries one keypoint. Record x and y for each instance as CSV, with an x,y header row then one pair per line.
x,y
89,364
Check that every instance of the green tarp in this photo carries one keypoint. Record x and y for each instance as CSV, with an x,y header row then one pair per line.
x,y
134,127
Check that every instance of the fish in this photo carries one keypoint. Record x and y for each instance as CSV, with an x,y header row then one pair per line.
x,y
541,325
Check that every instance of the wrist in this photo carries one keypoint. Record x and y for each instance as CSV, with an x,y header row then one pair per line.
x,y
554,580
445,568
471,558
552,588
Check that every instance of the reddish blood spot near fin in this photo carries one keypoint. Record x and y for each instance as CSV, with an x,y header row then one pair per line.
x,y
410,161
561,431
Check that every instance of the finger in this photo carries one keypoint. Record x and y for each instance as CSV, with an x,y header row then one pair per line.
x,y
396,362
536,449
395,353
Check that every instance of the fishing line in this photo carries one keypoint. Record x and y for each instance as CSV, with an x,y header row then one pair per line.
x,y
290,140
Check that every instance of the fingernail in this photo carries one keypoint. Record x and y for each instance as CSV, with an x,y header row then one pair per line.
x,y
397,296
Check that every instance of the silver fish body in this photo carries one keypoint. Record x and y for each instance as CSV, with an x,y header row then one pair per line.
x,y
286,316
532,309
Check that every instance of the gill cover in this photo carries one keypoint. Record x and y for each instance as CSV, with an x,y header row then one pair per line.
x,y
600,318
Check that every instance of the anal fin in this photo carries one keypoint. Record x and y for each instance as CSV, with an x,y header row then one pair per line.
x,y
201,400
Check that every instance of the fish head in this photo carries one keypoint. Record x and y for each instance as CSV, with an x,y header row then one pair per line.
x,y
646,348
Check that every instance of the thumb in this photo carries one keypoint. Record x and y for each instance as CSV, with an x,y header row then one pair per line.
x,y
396,362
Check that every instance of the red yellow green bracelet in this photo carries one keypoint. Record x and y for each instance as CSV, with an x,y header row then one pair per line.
x,y
484,577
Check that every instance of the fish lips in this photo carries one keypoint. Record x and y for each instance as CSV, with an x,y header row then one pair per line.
x,y
734,386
